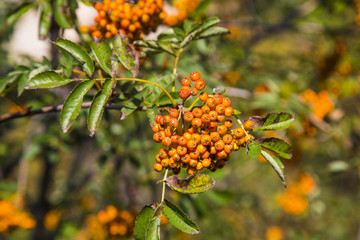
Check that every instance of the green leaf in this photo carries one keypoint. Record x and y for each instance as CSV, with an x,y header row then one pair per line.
x,y
153,230
60,18
273,121
129,107
276,164
165,100
77,52
276,145
102,54
17,12
97,106
253,149
126,54
47,79
178,219
196,183
208,23
4,80
22,82
45,19
213,31
72,104
151,113
161,46
142,222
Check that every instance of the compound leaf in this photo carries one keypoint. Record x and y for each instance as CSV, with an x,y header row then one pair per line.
x,y
72,104
178,219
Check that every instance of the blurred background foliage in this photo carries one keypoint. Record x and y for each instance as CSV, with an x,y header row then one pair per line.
x,y
297,56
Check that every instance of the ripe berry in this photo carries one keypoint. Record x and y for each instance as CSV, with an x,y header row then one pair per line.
x,y
191,144
158,167
182,141
196,122
193,163
201,148
215,136
186,158
181,150
185,81
227,138
220,118
229,111
199,166
194,155
155,128
218,99
213,115
195,76
248,125
200,84
220,109
206,162
174,113
184,92
239,132
174,122
203,96
211,103
222,129
193,91
228,123
157,118
226,102
228,148
205,140
174,138
197,112
188,116
219,145
165,162
206,154
205,118
166,141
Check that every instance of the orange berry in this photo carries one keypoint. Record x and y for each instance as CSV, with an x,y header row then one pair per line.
x,y
185,81
213,150
205,118
174,113
220,118
206,140
215,136
205,109
184,92
188,116
193,91
171,152
239,132
187,136
176,157
220,109
195,76
199,166
221,154
228,123
218,99
206,162
166,141
155,128
213,115
174,139
165,162
194,155
145,18
200,84
174,122
168,132
228,148
190,171
206,154
158,167
219,145
172,163
211,103
203,96
201,148
132,28
181,150
248,125
182,141
196,122
156,137
157,118
163,153
227,138
84,29
158,158
193,163
186,158
191,144
226,102
221,129
229,111
125,23
197,112
191,130
196,137
96,34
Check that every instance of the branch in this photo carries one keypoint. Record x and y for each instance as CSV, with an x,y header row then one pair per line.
x,y
56,108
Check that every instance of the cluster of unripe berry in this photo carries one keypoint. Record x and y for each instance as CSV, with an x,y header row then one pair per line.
x,y
200,137
131,20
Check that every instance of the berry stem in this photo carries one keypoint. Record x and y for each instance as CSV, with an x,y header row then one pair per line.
x,y
163,187
175,66
193,104
134,80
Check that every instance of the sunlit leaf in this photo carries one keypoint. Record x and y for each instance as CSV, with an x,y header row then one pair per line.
x,y
178,219
276,164
22,82
72,104
77,52
97,106
276,145
273,121
161,46
212,32
253,149
196,183
47,79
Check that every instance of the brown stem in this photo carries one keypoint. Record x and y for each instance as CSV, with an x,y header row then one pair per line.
x,y
56,108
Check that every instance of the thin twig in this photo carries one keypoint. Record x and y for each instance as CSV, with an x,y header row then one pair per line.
x,y
56,108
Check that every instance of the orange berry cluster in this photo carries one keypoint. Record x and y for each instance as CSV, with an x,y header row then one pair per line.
x,y
182,9
320,104
207,141
131,20
12,218
117,223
